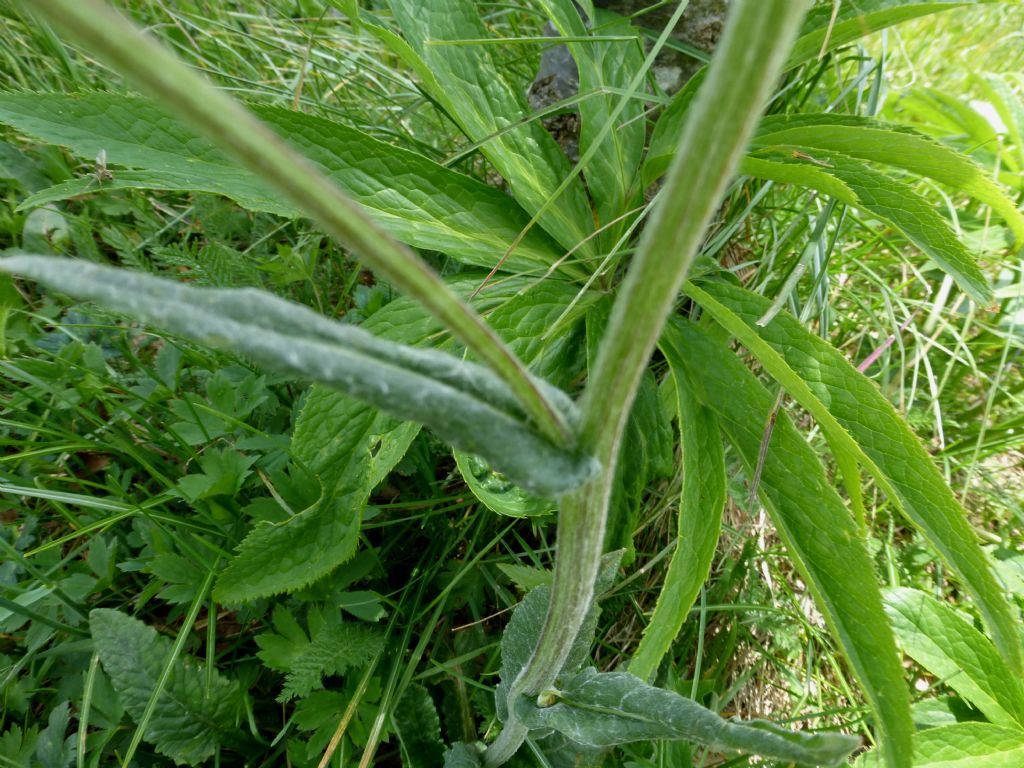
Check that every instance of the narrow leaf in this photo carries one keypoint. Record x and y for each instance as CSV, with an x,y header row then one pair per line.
x,y
418,201
700,516
905,466
464,403
894,145
819,533
889,199
602,709
466,82
945,644
197,708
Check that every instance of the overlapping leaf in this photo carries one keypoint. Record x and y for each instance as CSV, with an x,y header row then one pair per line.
x,y
463,402
416,200
819,533
605,70
196,710
465,81
896,456
959,655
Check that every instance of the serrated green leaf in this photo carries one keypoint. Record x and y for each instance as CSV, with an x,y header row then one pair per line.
x,y
418,201
196,710
853,20
699,526
54,749
819,533
965,745
894,145
464,403
905,466
418,728
335,648
886,197
467,83
602,709
950,648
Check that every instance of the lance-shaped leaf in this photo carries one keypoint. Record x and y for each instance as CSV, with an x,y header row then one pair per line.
x,y
895,145
811,519
463,402
601,709
700,518
604,67
417,200
888,198
445,43
904,466
946,644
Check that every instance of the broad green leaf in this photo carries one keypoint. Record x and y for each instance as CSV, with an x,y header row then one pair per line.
x,y
497,492
853,20
605,69
526,322
418,201
197,709
811,519
351,447
699,526
468,85
668,129
520,636
965,745
464,403
945,644
601,709
904,465
462,755
419,729
886,197
894,145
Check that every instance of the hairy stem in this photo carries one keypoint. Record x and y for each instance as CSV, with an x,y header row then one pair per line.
x,y
101,31
747,63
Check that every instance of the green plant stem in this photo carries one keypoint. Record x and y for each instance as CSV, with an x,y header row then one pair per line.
x,y
743,71
100,30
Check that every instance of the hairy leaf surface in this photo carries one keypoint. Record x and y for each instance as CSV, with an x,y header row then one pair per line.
x,y
196,709
464,403
810,517
418,201
602,709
